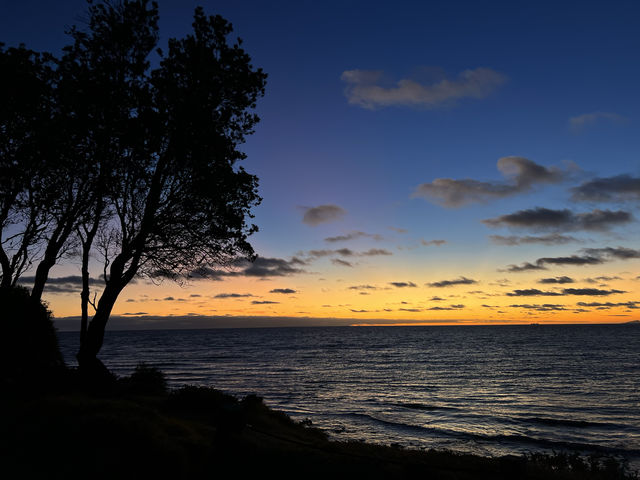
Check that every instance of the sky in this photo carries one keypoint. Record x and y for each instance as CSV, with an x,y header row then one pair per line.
x,y
443,162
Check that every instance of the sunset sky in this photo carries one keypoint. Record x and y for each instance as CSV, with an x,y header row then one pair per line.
x,y
430,162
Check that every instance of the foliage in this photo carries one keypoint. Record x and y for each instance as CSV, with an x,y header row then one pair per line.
x,y
29,353
148,156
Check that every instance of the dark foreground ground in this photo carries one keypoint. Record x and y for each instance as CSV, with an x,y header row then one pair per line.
x,y
137,429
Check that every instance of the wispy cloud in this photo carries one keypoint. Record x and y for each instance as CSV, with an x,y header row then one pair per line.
x,y
232,295
352,236
579,122
608,189
263,302
365,89
428,243
545,307
403,284
286,291
558,280
450,283
521,175
548,219
588,256
322,214
341,263
550,239
534,292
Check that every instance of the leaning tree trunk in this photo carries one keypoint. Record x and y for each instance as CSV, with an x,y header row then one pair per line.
x,y
87,356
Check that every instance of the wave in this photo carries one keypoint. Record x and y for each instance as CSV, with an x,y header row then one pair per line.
x,y
515,439
562,422
422,406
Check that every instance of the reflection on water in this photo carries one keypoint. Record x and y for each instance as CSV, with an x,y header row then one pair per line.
x,y
487,390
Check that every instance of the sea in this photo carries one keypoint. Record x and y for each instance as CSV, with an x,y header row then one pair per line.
x,y
487,390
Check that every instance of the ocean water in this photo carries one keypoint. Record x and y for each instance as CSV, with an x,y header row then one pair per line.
x,y
489,390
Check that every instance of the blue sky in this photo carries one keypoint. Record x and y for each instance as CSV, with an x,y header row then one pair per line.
x,y
551,82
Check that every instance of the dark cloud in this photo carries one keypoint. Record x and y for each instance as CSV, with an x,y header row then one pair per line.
x,y
590,256
449,283
409,310
606,305
232,295
263,302
550,239
344,252
620,253
263,267
601,279
608,189
547,219
366,89
340,262
560,280
60,285
521,175
590,291
375,251
525,267
437,299
534,292
286,291
322,214
195,295
428,243
450,307
403,284
546,307
352,236
362,287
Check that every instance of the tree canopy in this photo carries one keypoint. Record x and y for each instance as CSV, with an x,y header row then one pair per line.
x,y
104,157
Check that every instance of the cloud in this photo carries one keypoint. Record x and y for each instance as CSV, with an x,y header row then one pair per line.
x,y
403,284
60,285
525,267
340,262
608,189
286,291
621,253
450,307
364,89
546,307
428,243
322,214
352,236
550,239
228,295
558,280
449,283
590,256
263,302
534,292
607,305
601,279
398,230
547,219
579,122
344,252
263,267
521,175
375,252
590,291
362,287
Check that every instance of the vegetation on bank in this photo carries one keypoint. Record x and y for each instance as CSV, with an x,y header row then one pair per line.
x,y
134,427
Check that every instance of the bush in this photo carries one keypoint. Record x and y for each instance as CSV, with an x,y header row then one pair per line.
x,y
145,380
29,351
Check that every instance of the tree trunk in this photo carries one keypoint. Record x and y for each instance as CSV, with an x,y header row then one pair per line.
x,y
88,363
42,274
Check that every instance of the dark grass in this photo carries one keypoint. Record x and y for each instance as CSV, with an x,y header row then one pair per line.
x,y
135,428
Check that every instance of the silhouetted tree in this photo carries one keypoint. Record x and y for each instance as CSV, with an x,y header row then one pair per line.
x,y
137,166
179,202
26,86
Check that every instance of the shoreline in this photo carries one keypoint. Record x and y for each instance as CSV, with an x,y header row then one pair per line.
x,y
137,428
